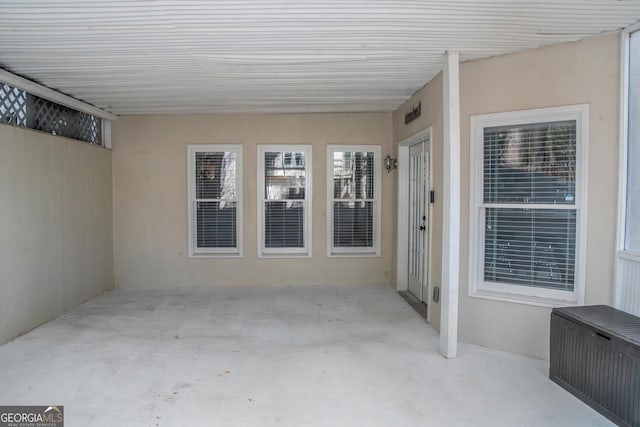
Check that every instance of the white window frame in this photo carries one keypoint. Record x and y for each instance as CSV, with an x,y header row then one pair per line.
x,y
623,256
373,251
304,252
478,288
195,252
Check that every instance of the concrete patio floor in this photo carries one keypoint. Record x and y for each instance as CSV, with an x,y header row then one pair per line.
x,y
267,356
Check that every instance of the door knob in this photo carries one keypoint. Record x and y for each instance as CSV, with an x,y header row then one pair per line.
x,y
422,228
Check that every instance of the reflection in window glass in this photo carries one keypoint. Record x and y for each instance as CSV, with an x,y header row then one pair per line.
x,y
216,209
284,175
285,200
216,175
534,163
528,210
353,192
632,232
354,202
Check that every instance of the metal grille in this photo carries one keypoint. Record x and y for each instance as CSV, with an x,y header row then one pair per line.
x,y
19,108
13,105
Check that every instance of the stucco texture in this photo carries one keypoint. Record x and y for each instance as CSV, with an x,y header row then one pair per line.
x,y
150,186
584,72
55,227
150,199
430,98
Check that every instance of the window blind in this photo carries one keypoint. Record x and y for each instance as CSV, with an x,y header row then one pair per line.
x,y
353,199
216,199
530,164
529,176
530,247
285,199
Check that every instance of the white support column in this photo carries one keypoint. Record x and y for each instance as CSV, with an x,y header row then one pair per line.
x,y
451,200
106,134
402,234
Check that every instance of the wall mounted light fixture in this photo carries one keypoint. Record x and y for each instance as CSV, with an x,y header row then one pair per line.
x,y
390,163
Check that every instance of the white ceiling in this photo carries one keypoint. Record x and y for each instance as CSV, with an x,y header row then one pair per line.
x,y
171,56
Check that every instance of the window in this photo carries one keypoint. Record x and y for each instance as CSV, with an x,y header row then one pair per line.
x,y
632,225
353,211
215,200
284,194
528,205
626,295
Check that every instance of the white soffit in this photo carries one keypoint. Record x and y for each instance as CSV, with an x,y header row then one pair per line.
x,y
154,56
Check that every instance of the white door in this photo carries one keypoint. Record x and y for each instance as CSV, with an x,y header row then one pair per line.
x,y
418,221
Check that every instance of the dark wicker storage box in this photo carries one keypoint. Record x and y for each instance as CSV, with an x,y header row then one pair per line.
x,y
595,354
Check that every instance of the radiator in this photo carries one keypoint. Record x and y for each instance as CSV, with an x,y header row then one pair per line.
x,y
595,354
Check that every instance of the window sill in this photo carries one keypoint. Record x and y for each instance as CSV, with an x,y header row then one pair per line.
x,y
521,299
284,256
353,255
215,255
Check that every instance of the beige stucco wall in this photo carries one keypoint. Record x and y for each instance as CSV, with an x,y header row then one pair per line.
x,y
586,72
571,73
55,227
150,199
431,116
